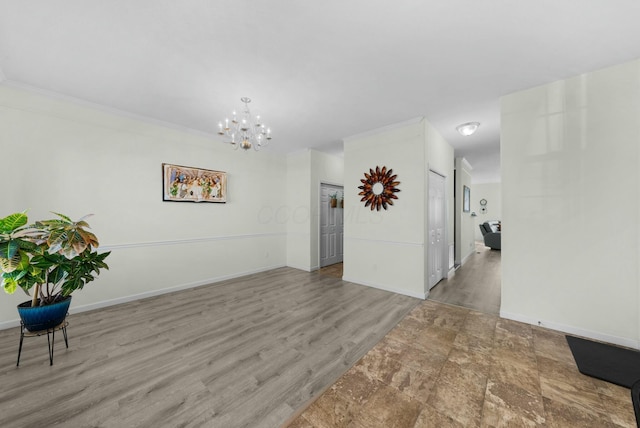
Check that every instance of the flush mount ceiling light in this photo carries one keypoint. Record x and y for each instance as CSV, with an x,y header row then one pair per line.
x,y
245,132
468,128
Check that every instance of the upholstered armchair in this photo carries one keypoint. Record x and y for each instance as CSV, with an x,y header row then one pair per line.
x,y
491,233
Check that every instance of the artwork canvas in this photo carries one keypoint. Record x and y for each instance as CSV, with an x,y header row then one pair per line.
x,y
188,184
466,207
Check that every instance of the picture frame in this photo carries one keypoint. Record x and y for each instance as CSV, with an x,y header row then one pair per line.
x,y
466,204
191,184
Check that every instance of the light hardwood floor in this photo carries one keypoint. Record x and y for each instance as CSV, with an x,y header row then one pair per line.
x,y
475,285
242,353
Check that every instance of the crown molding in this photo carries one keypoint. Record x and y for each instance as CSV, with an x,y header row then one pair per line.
x,y
384,129
465,164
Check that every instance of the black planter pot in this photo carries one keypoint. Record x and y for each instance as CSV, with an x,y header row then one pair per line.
x,y
40,318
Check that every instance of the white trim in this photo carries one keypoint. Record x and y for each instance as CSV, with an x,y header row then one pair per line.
x,y
188,241
300,267
436,171
466,165
144,295
9,324
451,257
298,234
328,183
107,109
381,241
621,341
422,296
466,258
447,248
384,129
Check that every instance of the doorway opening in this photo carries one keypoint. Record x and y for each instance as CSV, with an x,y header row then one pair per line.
x,y
331,224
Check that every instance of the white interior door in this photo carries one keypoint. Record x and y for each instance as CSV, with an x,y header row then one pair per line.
x,y
331,226
436,228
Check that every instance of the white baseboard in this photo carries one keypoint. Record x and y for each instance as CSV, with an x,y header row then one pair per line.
x,y
466,258
10,324
125,299
300,267
621,341
386,288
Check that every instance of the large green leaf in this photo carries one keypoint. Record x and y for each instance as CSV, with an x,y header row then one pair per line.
x,y
14,259
10,285
68,219
12,222
69,239
29,246
9,249
57,240
58,275
45,261
25,261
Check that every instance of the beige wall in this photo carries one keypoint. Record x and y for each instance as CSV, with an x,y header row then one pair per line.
x,y
67,157
440,159
465,240
305,171
326,169
570,205
296,214
386,249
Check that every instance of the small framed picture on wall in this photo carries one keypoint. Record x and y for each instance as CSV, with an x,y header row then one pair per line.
x,y
466,205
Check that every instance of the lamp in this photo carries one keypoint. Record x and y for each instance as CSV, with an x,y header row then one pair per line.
x,y
245,132
468,128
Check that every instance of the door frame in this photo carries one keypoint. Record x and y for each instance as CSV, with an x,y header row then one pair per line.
x,y
319,222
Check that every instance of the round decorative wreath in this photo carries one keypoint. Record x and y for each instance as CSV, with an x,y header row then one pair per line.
x,y
384,196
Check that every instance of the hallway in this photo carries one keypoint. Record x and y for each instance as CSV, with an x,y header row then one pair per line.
x,y
475,285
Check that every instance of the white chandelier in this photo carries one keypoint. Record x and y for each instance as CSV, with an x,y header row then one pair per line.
x,y
245,132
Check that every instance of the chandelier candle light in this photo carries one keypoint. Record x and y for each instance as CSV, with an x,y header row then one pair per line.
x,y
245,132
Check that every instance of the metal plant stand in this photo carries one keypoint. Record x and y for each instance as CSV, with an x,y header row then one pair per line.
x,y
51,337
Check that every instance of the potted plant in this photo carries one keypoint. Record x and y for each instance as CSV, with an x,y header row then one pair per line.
x,y
48,260
333,200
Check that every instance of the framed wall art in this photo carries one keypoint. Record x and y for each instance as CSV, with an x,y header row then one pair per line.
x,y
466,205
189,184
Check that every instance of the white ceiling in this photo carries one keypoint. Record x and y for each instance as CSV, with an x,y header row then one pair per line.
x,y
316,71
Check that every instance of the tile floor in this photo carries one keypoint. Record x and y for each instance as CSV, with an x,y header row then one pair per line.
x,y
446,366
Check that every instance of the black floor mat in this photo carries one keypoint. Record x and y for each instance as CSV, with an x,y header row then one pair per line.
x,y
606,362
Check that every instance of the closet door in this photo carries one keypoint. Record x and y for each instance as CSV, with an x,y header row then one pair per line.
x,y
436,224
